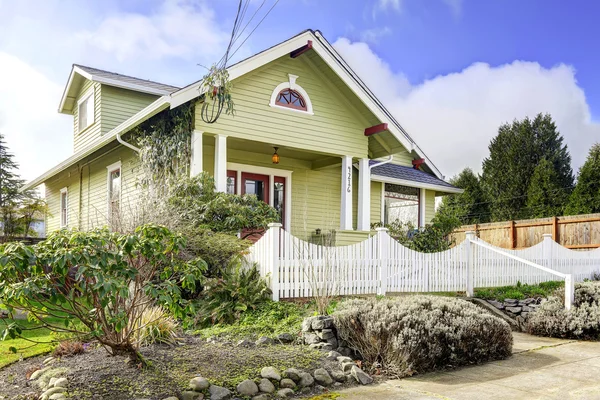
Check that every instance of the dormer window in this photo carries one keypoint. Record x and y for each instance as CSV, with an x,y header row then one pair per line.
x,y
291,96
85,110
292,99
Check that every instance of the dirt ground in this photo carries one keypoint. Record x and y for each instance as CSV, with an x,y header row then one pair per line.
x,y
96,375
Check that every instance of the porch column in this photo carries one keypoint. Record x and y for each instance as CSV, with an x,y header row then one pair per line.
x,y
421,208
364,195
221,163
346,210
196,165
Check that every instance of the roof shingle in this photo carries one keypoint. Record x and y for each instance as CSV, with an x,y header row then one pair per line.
x,y
407,173
128,79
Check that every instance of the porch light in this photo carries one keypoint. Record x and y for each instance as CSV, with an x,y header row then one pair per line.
x,y
275,157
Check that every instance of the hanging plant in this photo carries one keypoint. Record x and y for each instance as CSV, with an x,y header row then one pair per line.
x,y
215,94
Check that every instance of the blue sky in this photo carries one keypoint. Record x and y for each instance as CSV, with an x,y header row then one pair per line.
x,y
450,70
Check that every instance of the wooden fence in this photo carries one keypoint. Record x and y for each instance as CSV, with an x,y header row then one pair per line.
x,y
296,268
573,232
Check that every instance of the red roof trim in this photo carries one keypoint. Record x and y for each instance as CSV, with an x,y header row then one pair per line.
x,y
301,50
376,129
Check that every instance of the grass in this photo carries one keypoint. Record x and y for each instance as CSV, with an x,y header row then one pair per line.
x,y
24,347
519,291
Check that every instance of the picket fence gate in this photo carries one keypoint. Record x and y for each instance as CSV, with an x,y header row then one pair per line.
x,y
379,265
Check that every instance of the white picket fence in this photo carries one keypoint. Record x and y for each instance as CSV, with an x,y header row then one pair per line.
x,y
296,268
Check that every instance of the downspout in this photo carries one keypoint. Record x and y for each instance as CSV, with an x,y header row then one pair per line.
x,y
381,163
124,143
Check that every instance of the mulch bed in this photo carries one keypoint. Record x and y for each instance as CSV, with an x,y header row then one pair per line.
x,y
96,375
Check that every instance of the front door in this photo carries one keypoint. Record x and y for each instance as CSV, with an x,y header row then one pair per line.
x,y
257,185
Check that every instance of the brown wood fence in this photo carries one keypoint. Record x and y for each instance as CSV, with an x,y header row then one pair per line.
x,y
574,232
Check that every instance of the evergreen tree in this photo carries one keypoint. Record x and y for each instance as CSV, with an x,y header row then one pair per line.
x,y
514,155
585,199
10,182
471,206
545,196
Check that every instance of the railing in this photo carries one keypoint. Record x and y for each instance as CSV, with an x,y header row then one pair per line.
x,y
379,265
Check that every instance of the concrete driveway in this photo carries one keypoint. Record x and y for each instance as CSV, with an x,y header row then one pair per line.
x,y
540,368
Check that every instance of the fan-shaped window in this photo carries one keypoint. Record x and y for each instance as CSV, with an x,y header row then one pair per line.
x,y
292,99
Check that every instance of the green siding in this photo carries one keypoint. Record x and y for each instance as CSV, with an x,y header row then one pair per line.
x,y
345,238
376,202
333,129
82,139
429,205
120,104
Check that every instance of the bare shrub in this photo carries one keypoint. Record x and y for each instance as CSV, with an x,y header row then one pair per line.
x,y
68,348
417,334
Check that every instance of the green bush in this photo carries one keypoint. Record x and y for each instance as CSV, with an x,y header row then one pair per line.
x,y
582,321
218,250
417,334
226,298
519,291
268,319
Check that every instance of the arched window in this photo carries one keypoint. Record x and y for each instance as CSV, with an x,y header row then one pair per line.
x,y
292,99
291,96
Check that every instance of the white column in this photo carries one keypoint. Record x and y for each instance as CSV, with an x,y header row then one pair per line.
x,y
221,163
364,195
470,262
422,198
346,211
196,165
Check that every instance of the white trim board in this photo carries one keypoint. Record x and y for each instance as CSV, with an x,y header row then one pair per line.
x,y
109,169
64,190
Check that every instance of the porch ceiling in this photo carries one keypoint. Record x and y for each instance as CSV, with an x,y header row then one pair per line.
x,y
267,149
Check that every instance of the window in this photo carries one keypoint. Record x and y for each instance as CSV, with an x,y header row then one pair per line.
x,y
231,182
64,208
279,197
292,99
114,190
86,110
401,204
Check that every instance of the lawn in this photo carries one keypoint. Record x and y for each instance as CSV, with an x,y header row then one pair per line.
x,y
519,291
24,347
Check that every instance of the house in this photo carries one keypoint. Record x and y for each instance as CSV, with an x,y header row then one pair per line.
x,y
343,160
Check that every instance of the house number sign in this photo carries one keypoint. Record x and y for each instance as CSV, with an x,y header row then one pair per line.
x,y
349,188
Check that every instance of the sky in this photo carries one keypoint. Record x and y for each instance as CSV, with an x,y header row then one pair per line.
x,y
451,71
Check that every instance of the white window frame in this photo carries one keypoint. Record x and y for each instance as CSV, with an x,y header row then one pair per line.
x,y
271,173
91,118
291,84
65,191
109,170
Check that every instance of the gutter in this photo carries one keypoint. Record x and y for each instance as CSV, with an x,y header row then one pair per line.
x,y
389,160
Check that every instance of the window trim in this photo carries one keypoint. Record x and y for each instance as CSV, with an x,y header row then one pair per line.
x,y
110,169
290,105
65,191
91,93
292,85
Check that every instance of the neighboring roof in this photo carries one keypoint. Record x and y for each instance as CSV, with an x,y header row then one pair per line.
x,y
108,78
404,175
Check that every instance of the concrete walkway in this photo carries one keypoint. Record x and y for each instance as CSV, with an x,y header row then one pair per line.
x,y
540,368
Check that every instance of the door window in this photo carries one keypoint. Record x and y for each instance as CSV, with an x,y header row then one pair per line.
x,y
257,185
279,197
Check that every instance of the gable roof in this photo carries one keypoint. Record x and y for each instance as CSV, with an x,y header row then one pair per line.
x,y
404,175
337,64
79,72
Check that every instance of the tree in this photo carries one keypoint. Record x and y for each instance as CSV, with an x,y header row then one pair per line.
x,y
545,197
514,154
585,199
10,182
32,206
99,283
469,207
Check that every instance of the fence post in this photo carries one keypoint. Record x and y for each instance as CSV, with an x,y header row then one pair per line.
x,y
547,249
470,235
275,231
569,291
383,258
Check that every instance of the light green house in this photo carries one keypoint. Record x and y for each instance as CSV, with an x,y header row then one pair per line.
x,y
344,161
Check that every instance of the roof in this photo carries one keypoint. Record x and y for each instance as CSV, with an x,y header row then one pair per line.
x,y
80,72
403,175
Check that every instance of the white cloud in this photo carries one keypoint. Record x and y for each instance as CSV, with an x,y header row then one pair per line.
x,y
453,117
35,133
373,35
184,29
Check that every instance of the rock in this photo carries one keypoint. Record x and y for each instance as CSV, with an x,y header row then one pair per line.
x,y
347,366
342,343
496,304
270,373
38,373
526,309
51,383
311,338
264,341
333,355
305,390
199,384
293,374
48,360
316,346
319,388
338,375
513,310
326,334
61,382
510,301
333,342
287,383
525,315
51,391
191,395
345,351
327,346
57,396
306,379
284,393
322,322
219,393
322,377
528,301
263,396
246,388
286,338
361,376
337,384
266,386
344,359
307,324
245,343
171,398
